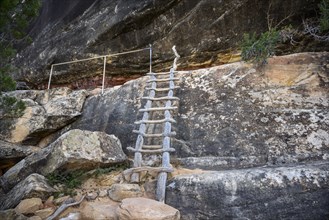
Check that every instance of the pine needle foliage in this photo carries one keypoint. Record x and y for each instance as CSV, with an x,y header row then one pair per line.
x,y
15,16
257,49
324,15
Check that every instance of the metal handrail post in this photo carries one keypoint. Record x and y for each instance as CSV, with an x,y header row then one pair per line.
x,y
51,73
104,66
150,58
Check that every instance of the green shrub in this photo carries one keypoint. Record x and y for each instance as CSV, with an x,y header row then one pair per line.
x,y
14,18
258,49
11,107
70,180
324,15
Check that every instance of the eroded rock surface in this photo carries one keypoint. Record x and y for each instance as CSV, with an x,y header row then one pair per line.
x,y
259,134
75,149
10,214
11,154
253,117
34,185
298,192
10,151
46,112
238,118
234,115
206,32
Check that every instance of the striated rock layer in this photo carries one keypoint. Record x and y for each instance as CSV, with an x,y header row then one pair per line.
x,y
206,32
296,192
34,185
46,112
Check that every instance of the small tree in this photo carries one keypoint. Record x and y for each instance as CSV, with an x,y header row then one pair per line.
x,y
14,18
324,15
319,28
258,49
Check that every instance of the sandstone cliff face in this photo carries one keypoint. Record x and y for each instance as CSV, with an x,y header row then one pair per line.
x,y
262,134
206,32
234,115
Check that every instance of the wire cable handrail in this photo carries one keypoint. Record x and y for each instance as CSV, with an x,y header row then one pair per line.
x,y
104,63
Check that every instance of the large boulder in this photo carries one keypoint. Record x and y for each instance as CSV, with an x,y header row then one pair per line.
x,y
46,111
206,32
34,185
98,210
298,192
75,149
11,154
11,214
121,191
147,209
10,151
29,206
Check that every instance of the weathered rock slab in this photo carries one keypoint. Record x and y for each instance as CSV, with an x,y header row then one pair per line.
x,y
34,185
12,151
11,214
29,206
35,218
76,149
46,112
147,209
72,216
11,154
96,210
44,213
255,193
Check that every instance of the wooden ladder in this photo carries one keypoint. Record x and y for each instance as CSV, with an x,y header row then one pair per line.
x,y
149,123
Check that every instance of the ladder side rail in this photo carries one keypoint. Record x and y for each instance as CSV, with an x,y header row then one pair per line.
x,y
162,177
140,138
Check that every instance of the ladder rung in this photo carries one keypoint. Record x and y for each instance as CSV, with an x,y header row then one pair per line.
x,y
151,147
153,135
153,151
162,89
162,80
152,170
161,98
147,168
155,121
157,109
158,74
